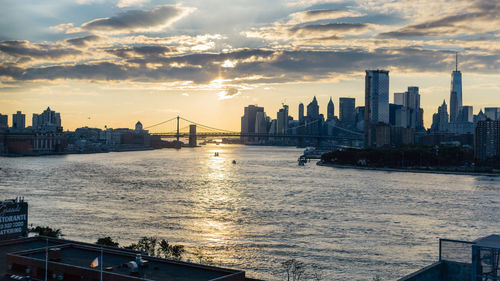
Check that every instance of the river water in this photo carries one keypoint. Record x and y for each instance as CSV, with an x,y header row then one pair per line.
x,y
344,224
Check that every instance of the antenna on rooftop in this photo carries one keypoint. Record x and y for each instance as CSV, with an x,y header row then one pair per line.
x,y
456,61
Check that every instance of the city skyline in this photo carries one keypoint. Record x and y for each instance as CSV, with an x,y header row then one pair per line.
x,y
98,63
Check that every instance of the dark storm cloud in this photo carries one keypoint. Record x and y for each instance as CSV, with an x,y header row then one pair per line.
x,y
136,19
483,13
267,66
82,41
18,48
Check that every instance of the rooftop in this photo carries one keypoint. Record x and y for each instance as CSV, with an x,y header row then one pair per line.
x,y
72,258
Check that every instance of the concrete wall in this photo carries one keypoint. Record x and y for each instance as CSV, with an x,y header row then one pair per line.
x,y
454,271
442,271
428,273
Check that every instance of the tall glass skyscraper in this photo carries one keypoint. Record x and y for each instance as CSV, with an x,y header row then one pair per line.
x,y
376,103
455,92
377,96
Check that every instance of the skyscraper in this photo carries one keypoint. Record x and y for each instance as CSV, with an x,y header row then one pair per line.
x,y
455,92
492,112
18,120
400,99
330,110
248,121
282,120
376,102
313,109
346,111
301,113
4,121
440,119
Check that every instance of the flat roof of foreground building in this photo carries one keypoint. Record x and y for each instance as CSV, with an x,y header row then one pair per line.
x,y
70,260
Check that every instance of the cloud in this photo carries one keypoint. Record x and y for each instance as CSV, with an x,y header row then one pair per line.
x,y
141,51
322,14
18,48
228,93
128,3
254,66
325,30
132,21
311,25
82,41
479,18
307,32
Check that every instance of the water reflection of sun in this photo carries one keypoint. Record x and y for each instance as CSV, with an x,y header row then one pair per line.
x,y
218,203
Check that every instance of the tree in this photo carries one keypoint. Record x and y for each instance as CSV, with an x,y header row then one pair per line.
x,y
202,258
46,231
170,251
107,241
145,244
293,269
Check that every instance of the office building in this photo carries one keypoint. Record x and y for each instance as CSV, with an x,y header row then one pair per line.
x,y
466,114
487,140
347,114
282,120
479,117
455,92
301,113
400,99
376,102
47,121
492,113
4,121
18,121
248,122
409,113
313,109
330,110
440,119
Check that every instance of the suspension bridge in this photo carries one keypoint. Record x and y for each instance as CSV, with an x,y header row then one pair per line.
x,y
180,128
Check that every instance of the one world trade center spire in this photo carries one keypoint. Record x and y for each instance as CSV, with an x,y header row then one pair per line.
x,y
455,92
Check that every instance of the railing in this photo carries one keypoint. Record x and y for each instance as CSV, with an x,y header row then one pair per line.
x,y
455,251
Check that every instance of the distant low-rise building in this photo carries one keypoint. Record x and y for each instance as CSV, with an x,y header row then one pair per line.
x,y
4,121
47,121
18,121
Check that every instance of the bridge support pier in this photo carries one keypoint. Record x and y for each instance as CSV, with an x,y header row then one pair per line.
x,y
192,136
178,143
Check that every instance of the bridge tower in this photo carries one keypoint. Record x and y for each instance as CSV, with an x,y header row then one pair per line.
x,y
192,135
178,143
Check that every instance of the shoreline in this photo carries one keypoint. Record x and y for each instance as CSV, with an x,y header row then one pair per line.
x,y
340,166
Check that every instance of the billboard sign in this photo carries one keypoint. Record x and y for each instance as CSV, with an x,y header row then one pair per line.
x,y
13,219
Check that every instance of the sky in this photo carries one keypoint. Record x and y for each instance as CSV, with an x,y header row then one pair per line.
x,y
111,63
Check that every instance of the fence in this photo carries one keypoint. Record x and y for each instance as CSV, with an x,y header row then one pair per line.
x,y
455,251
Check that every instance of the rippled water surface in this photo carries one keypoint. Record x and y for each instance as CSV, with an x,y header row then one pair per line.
x,y
347,224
